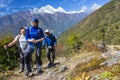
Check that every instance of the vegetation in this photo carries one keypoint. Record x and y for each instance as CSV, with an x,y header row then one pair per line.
x,y
102,25
8,58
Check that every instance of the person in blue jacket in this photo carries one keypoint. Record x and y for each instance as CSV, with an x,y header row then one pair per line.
x,y
34,36
50,42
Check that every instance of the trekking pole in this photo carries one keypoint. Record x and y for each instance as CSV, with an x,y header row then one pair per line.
x,y
8,55
13,61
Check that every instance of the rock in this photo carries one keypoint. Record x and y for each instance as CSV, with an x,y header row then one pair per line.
x,y
110,62
106,55
101,46
96,77
49,74
117,53
60,77
111,54
62,68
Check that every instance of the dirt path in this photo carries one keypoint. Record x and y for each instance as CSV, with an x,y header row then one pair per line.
x,y
59,71
112,46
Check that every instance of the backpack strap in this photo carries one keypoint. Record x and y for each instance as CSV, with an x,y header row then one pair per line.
x,y
29,30
18,37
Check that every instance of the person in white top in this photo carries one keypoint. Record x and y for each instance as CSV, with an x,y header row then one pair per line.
x,y
23,45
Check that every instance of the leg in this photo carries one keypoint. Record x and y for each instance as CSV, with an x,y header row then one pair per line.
x,y
53,54
48,54
27,56
31,62
21,61
38,59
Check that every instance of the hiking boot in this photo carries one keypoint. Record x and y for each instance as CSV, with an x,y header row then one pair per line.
x,y
20,71
50,65
27,73
32,69
31,74
39,72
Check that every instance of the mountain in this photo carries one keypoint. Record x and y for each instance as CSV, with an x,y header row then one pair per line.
x,y
57,20
103,24
49,9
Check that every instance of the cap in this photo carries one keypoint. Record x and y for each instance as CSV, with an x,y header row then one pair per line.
x,y
35,20
47,31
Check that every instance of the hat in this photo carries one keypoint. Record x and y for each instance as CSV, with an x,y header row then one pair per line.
x,y
47,31
35,20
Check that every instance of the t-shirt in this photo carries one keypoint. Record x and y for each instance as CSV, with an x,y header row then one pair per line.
x,y
22,41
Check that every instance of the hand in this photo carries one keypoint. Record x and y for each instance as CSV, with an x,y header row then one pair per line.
x,y
35,41
54,45
6,46
31,40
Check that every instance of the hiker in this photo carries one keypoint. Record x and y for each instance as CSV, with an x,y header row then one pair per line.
x,y
50,42
34,36
22,45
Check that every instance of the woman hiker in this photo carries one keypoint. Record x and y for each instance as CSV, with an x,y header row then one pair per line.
x,y
22,45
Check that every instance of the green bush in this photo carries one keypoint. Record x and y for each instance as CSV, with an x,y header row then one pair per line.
x,y
8,61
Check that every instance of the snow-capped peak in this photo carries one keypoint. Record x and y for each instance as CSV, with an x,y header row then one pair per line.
x,y
49,9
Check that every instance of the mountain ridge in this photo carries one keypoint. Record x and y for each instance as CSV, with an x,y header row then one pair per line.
x,y
101,25
57,22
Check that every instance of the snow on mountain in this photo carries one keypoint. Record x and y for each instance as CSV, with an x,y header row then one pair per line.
x,y
95,7
49,9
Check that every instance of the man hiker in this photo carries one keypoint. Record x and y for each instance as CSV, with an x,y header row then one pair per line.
x,y
50,42
34,36
23,45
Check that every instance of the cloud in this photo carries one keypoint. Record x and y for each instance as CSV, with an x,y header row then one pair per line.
x,y
4,3
95,7
2,14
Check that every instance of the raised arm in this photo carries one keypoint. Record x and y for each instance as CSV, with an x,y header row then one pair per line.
x,y
13,42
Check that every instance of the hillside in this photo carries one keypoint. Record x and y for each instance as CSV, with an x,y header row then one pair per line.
x,y
57,22
103,66
103,24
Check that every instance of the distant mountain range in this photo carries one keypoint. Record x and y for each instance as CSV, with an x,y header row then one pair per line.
x,y
49,9
102,25
57,20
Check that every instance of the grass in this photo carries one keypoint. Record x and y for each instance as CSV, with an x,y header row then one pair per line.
x,y
87,66
84,76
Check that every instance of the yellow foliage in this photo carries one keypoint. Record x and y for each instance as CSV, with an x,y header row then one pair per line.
x,y
84,77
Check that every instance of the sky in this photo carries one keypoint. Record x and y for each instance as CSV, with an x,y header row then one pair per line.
x,y
10,6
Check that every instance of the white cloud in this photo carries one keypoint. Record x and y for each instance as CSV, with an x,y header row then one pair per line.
x,y
2,13
4,3
95,7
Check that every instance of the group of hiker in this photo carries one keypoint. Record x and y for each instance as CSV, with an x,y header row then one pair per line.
x,y
30,39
